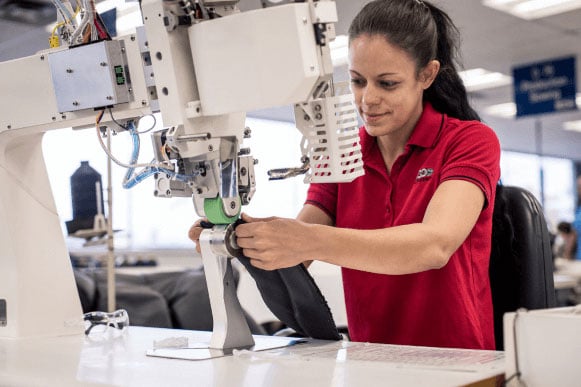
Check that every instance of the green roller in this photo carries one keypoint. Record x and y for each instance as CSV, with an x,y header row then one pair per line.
x,y
215,212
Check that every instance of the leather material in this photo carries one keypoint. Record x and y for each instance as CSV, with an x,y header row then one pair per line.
x,y
294,298
521,261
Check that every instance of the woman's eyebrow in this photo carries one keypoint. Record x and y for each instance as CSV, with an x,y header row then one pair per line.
x,y
378,76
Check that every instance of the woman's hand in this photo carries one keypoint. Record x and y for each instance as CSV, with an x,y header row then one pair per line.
x,y
275,243
195,231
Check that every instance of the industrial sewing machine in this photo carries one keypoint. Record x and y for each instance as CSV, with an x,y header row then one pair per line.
x,y
202,64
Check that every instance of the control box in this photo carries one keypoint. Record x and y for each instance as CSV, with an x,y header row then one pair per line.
x,y
90,76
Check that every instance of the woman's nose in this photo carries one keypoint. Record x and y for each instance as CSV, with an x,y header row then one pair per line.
x,y
370,96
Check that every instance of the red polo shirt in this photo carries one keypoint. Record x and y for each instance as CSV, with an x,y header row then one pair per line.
x,y
447,307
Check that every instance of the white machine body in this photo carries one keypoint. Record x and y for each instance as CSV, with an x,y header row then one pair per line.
x,y
543,346
202,75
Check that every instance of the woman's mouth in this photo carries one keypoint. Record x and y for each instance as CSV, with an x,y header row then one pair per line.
x,y
371,118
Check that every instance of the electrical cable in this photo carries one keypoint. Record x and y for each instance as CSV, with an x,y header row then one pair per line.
x,y
115,121
152,126
517,374
108,151
85,19
62,9
149,169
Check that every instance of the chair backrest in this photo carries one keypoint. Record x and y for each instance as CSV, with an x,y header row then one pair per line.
x,y
521,261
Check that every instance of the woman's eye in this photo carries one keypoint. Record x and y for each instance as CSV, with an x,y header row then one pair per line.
x,y
388,84
357,82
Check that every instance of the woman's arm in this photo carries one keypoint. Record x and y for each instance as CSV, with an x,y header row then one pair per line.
x,y
309,214
449,218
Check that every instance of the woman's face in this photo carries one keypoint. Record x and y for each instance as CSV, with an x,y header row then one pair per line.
x,y
388,91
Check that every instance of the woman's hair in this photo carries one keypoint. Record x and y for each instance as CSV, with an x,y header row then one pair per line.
x,y
425,32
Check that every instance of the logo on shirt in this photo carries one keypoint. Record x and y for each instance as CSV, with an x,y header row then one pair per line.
x,y
424,174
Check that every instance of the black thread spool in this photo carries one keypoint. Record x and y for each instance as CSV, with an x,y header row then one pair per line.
x,y
86,196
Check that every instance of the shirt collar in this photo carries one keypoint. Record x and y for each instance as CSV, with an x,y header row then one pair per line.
x,y
428,128
424,135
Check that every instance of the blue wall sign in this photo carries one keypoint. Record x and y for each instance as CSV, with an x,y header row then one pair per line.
x,y
545,87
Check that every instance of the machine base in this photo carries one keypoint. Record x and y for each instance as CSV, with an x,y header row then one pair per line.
x,y
202,351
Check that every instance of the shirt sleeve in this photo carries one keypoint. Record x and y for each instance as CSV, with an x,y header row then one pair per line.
x,y
474,155
323,196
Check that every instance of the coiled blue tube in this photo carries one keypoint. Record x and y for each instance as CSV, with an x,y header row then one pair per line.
x,y
130,180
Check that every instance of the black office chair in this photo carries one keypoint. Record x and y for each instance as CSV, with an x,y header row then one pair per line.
x,y
521,261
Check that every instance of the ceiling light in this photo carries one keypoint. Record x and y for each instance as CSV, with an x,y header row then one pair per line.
x,y
479,79
533,9
29,12
572,125
503,110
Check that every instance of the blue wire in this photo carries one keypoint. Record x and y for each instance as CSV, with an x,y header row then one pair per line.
x,y
130,180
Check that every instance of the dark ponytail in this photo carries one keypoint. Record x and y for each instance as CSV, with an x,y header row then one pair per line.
x,y
425,32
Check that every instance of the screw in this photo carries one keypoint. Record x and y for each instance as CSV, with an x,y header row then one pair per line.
x,y
143,102
133,38
69,71
210,148
168,192
9,126
319,116
317,108
232,204
109,98
103,64
199,191
54,118
64,116
243,171
306,117
75,103
42,57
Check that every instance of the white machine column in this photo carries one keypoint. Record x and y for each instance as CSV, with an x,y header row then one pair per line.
x,y
230,326
38,294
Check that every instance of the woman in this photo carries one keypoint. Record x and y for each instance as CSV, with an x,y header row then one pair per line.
x,y
413,234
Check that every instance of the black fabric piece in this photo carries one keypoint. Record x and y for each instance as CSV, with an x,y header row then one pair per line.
x,y
294,298
521,260
274,292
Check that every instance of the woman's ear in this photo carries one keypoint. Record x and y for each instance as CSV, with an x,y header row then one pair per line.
x,y
429,73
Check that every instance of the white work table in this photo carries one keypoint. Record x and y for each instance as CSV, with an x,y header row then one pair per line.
x,y
122,361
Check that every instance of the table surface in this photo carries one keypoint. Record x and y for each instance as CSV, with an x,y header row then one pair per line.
x,y
121,360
